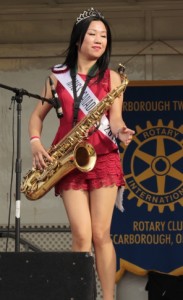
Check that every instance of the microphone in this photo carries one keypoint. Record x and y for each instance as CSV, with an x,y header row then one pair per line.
x,y
55,101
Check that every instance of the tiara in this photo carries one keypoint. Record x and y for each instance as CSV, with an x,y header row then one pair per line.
x,y
91,12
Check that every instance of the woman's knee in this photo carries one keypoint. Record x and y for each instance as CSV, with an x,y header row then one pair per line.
x,y
82,238
101,236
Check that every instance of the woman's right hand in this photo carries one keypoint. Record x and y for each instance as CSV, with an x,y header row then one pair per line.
x,y
39,155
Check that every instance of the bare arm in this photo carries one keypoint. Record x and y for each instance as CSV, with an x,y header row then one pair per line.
x,y
117,123
35,128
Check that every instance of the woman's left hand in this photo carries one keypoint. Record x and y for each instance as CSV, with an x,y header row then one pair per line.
x,y
125,135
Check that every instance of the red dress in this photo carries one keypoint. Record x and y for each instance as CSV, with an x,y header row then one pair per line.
x,y
108,170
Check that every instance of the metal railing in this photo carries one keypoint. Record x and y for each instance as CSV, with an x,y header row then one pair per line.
x,y
8,236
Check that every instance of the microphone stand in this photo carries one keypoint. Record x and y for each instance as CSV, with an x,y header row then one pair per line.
x,y
18,97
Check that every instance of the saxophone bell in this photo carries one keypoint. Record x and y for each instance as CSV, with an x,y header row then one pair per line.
x,y
84,156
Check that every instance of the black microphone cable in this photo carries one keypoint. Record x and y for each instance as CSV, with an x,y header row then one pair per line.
x,y
55,101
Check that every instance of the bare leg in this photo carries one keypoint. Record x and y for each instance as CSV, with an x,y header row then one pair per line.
x,y
102,204
78,212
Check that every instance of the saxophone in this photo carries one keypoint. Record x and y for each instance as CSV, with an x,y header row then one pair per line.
x,y
72,151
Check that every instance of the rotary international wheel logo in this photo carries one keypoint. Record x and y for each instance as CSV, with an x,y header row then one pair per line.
x,y
155,174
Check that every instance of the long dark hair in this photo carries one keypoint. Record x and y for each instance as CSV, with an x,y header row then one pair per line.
x,y
77,36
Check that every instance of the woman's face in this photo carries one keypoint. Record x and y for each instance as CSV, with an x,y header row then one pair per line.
x,y
95,41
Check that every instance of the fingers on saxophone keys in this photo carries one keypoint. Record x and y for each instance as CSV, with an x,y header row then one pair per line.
x,y
37,164
34,163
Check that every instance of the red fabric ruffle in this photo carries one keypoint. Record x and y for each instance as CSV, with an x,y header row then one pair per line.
x,y
107,172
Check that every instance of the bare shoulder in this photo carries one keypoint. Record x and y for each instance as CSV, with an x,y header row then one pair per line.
x,y
54,79
58,69
115,78
114,74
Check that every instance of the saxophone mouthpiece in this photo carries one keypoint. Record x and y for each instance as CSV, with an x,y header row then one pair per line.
x,y
121,69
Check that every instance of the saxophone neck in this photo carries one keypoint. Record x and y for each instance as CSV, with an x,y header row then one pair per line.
x,y
121,88
125,82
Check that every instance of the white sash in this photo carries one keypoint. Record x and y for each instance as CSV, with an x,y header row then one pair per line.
x,y
88,102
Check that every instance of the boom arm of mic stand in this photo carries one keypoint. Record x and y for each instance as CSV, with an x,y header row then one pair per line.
x,y
23,92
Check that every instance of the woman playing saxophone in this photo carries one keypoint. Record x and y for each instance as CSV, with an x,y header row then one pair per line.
x,y
82,81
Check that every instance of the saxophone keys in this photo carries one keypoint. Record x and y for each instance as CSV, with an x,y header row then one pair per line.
x,y
51,167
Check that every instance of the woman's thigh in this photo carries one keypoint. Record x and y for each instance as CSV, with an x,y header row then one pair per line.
x,y
76,203
102,205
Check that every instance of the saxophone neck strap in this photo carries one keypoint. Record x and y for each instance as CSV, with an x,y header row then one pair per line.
x,y
77,99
